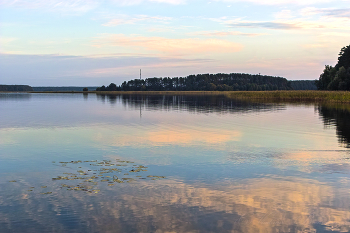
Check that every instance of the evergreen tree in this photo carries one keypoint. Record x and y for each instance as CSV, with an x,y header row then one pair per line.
x,y
338,77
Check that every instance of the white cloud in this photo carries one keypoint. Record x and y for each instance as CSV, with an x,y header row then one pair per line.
x,y
308,11
76,5
61,5
123,19
134,2
226,33
5,40
286,2
284,14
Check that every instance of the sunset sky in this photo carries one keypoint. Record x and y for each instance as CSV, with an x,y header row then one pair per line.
x,y
96,42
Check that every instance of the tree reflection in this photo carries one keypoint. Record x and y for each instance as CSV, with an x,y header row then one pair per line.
x,y
337,116
15,96
191,103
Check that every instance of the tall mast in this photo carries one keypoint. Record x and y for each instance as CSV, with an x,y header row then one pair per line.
x,y
140,74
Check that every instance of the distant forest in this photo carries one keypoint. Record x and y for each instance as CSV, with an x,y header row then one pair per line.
x,y
337,77
303,84
204,82
62,88
15,88
201,82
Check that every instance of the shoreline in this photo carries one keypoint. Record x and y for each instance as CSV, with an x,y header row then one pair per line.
x,y
307,96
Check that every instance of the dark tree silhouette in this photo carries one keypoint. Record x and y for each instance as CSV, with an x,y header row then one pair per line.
x,y
338,118
338,77
344,58
15,88
204,82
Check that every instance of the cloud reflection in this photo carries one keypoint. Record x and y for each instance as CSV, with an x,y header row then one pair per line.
x,y
176,136
270,204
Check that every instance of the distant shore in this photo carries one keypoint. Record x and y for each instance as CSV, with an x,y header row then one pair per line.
x,y
309,96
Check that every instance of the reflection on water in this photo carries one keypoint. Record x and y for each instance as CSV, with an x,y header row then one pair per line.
x,y
72,163
14,96
193,103
340,118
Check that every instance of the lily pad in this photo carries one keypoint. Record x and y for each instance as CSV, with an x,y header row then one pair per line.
x,y
46,193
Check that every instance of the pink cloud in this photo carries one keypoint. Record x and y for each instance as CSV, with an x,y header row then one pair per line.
x,y
227,33
170,46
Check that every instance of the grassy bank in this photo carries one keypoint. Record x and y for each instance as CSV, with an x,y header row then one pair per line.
x,y
309,96
313,96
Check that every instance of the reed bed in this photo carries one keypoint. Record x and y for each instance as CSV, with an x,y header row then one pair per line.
x,y
309,96
313,96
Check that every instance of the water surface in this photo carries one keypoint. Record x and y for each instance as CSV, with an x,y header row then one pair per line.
x,y
94,163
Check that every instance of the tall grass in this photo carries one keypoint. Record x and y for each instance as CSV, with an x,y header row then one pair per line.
x,y
314,96
309,96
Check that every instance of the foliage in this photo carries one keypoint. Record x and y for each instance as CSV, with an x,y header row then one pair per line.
x,y
303,84
63,89
339,117
313,96
344,58
15,88
111,87
204,82
338,77
85,89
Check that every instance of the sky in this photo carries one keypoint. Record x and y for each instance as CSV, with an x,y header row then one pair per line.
x,y
96,42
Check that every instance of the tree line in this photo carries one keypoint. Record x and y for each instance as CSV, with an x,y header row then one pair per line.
x,y
204,82
337,77
303,84
15,88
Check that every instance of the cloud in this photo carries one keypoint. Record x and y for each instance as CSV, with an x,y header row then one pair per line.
x,y
60,5
267,25
123,19
327,12
284,14
286,2
339,13
276,25
170,46
134,2
172,205
6,40
84,70
228,33
76,5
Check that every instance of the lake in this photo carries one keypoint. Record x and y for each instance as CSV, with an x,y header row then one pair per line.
x,y
139,163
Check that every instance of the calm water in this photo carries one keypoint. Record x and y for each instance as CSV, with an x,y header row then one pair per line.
x,y
88,163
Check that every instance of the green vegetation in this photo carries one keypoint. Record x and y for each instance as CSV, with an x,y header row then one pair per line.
x,y
67,89
338,116
94,173
304,96
303,84
317,96
15,88
204,82
338,77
